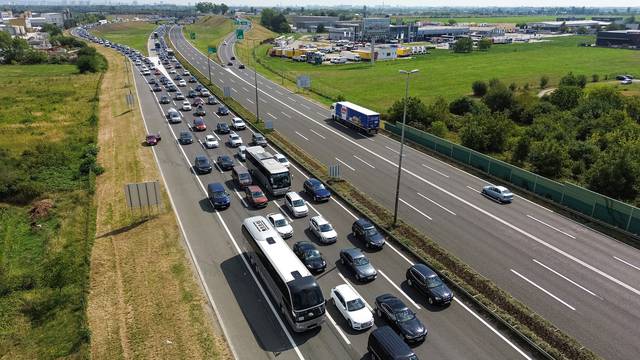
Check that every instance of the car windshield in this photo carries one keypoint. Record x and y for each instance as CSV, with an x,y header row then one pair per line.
x,y
280,222
325,227
281,180
203,161
234,137
312,254
243,176
433,282
359,261
282,160
299,202
318,186
405,315
219,194
354,305
257,194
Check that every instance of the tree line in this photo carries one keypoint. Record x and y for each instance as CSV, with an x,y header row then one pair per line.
x,y
274,21
588,136
208,8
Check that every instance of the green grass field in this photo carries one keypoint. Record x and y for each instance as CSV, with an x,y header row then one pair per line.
x,y
47,124
446,74
209,30
133,34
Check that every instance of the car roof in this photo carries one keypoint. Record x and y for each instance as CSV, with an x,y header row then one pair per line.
x,y
354,252
185,133
424,270
313,181
201,157
320,220
347,292
305,245
209,137
502,188
253,188
393,302
276,216
224,156
215,187
278,155
198,120
294,195
364,222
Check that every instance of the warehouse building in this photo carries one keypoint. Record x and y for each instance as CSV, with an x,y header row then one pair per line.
x,y
312,22
342,33
556,26
427,32
619,38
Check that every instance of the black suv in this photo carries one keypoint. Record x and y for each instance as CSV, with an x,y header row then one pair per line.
x,y
185,138
425,280
401,318
363,230
202,164
223,128
358,263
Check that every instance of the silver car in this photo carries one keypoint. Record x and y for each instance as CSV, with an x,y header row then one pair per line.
x,y
498,193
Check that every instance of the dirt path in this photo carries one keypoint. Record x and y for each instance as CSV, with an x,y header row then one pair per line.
x,y
544,92
144,302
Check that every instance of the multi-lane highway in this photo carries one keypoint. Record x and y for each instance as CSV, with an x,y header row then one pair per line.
x,y
248,318
583,281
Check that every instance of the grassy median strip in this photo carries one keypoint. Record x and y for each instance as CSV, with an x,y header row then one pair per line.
x,y
538,330
132,33
209,31
144,301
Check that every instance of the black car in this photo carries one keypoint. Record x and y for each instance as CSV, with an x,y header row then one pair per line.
x,y
233,58
165,99
401,318
192,93
384,343
152,81
425,280
222,110
185,138
310,256
157,88
229,63
241,66
363,230
358,263
211,100
199,111
225,162
193,79
172,88
222,128
199,88
178,78
258,139
202,164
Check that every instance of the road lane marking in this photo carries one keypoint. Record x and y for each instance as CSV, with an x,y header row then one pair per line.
x,y
241,198
315,132
354,290
302,136
566,278
245,89
321,114
543,290
271,115
292,99
282,211
249,100
550,226
415,209
345,164
395,151
624,262
435,203
234,90
305,106
398,288
473,189
285,114
435,171
371,166
344,337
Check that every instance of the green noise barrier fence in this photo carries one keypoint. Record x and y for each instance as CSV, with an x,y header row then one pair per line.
x,y
588,203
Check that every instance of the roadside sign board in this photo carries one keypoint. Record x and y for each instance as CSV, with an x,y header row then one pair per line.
x,y
192,35
226,91
334,170
303,81
268,124
239,34
141,195
212,50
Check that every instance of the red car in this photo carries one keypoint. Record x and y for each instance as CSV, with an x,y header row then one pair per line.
x,y
199,125
256,197
152,139
198,102
157,72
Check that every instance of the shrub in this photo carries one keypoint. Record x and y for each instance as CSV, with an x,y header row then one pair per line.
x,y
479,88
595,78
461,105
544,81
439,128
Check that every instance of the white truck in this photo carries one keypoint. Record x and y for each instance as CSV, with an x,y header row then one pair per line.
x,y
301,58
339,60
351,56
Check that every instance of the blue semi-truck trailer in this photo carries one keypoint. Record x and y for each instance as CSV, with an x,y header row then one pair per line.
x,y
355,116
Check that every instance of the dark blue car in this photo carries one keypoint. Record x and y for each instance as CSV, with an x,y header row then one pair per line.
x,y
218,196
315,189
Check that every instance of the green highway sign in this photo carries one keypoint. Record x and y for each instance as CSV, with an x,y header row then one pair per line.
x,y
192,35
212,50
239,34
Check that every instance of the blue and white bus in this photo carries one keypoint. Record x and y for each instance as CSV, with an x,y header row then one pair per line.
x,y
270,174
291,286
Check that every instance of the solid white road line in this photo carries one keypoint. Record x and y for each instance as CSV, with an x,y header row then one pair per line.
x,y
435,203
345,209
552,227
543,290
241,198
415,209
352,288
315,132
366,163
216,135
435,171
344,337
249,100
566,278
345,164
302,136
282,211
398,288
624,262
271,115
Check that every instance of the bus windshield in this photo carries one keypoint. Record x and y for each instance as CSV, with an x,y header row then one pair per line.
x,y
280,180
307,297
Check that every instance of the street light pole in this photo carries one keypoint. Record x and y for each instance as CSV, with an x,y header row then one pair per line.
x,y
404,120
255,78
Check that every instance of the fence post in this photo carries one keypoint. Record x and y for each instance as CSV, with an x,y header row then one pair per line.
x,y
535,184
593,208
489,167
629,221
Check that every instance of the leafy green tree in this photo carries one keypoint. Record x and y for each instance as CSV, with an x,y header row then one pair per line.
x,y
461,105
499,98
535,110
484,131
566,97
548,158
320,28
595,78
52,29
439,128
582,30
632,107
544,81
452,22
463,45
91,63
616,173
521,149
274,21
479,88
484,44
416,111
32,57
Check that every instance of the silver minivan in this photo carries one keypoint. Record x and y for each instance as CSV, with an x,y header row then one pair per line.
x,y
174,116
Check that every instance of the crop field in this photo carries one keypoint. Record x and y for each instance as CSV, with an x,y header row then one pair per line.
x,y
209,30
134,34
447,74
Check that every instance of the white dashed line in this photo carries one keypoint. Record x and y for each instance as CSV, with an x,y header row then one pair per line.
x,y
549,226
398,288
543,290
302,136
627,263
435,171
371,166
416,209
345,164
435,203
315,132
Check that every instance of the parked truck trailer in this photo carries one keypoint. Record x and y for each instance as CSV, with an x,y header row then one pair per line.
x,y
356,117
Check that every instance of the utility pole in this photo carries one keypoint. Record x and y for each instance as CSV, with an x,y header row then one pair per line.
x,y
255,78
209,65
404,120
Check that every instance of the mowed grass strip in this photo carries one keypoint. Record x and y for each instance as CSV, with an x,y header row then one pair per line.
x,y
447,74
210,30
133,34
145,301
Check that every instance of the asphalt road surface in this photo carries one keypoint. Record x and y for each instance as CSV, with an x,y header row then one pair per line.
x,y
248,318
586,283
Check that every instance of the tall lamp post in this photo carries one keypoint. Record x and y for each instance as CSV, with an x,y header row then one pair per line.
x,y
404,120
255,78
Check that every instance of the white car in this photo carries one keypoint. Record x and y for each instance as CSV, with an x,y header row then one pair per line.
x,y
352,307
210,142
182,83
295,204
146,72
242,152
172,71
235,140
238,124
280,223
205,93
281,159
321,228
186,106
186,73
